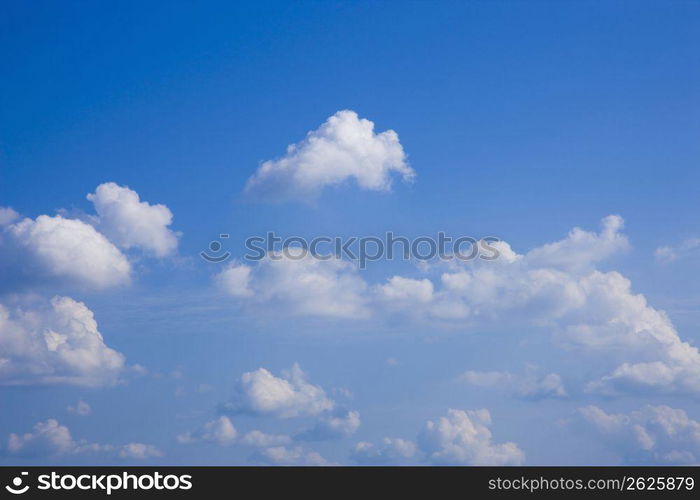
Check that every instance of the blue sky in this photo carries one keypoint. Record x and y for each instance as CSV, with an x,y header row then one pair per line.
x,y
520,120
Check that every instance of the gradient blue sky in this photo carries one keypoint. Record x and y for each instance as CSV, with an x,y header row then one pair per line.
x,y
521,120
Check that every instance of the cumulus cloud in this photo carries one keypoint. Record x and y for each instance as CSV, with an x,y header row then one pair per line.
x,y
651,435
282,455
47,438
62,250
390,451
400,291
526,386
132,223
464,437
261,393
554,288
54,342
581,249
81,408
220,431
302,286
50,438
344,148
56,250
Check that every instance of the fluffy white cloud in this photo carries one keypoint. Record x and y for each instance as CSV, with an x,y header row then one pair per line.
x,y
47,438
302,286
54,342
391,451
406,292
555,288
130,222
81,408
526,386
653,434
56,248
220,431
282,455
235,280
464,437
261,393
50,438
62,251
345,147
581,249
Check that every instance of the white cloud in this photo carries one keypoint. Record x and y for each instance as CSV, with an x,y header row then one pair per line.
x,y
50,438
7,216
406,292
391,451
464,437
653,434
139,451
130,222
554,288
63,249
261,393
345,147
281,455
526,386
302,286
220,431
81,408
333,427
47,438
679,251
261,439
235,280
581,249
54,342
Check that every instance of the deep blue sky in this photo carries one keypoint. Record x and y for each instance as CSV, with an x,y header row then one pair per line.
x,y
521,120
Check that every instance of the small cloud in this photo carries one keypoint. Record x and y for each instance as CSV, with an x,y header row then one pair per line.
x,y
679,251
526,386
344,148
139,451
81,408
220,431
261,393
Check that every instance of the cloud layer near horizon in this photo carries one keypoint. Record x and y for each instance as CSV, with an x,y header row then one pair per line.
x,y
555,287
